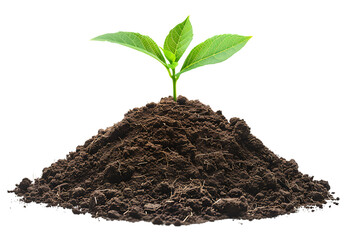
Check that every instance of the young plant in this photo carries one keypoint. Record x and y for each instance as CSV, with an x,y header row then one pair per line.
x,y
214,50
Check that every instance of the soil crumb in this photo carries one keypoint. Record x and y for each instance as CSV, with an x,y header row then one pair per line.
x,y
175,163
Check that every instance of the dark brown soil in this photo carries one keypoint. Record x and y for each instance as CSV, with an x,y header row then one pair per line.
x,y
175,163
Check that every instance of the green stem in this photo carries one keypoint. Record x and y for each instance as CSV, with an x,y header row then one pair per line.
x,y
174,86
174,83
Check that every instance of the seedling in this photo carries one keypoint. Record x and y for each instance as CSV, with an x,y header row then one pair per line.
x,y
214,50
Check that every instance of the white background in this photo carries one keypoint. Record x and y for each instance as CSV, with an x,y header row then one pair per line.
x,y
57,89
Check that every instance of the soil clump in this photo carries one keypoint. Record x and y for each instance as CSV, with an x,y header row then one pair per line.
x,y
175,163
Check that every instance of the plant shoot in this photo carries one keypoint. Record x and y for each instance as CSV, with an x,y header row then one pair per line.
x,y
214,50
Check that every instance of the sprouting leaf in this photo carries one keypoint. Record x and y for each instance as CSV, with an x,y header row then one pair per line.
x,y
179,38
169,55
173,65
136,41
214,50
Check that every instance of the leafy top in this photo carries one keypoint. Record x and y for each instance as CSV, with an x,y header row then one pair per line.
x,y
214,50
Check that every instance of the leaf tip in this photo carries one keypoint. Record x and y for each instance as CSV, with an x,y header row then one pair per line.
x,y
96,39
187,19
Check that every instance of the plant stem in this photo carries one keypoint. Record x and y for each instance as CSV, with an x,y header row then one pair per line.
x,y
174,83
174,86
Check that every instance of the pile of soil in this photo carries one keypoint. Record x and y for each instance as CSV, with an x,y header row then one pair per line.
x,y
175,163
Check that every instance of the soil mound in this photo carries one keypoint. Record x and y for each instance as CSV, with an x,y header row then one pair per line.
x,y
175,163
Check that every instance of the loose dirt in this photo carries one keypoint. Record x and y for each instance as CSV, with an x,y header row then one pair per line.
x,y
175,163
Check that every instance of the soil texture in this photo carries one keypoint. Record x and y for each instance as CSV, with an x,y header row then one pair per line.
x,y
175,163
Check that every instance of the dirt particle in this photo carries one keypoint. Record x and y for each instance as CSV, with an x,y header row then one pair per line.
x,y
151,105
116,172
76,211
177,223
43,189
181,100
24,184
127,192
78,192
117,204
151,207
206,202
163,188
232,207
235,193
157,221
97,198
316,196
135,212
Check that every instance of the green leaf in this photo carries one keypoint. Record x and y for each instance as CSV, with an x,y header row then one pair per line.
x,y
179,38
173,65
169,55
214,50
136,41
